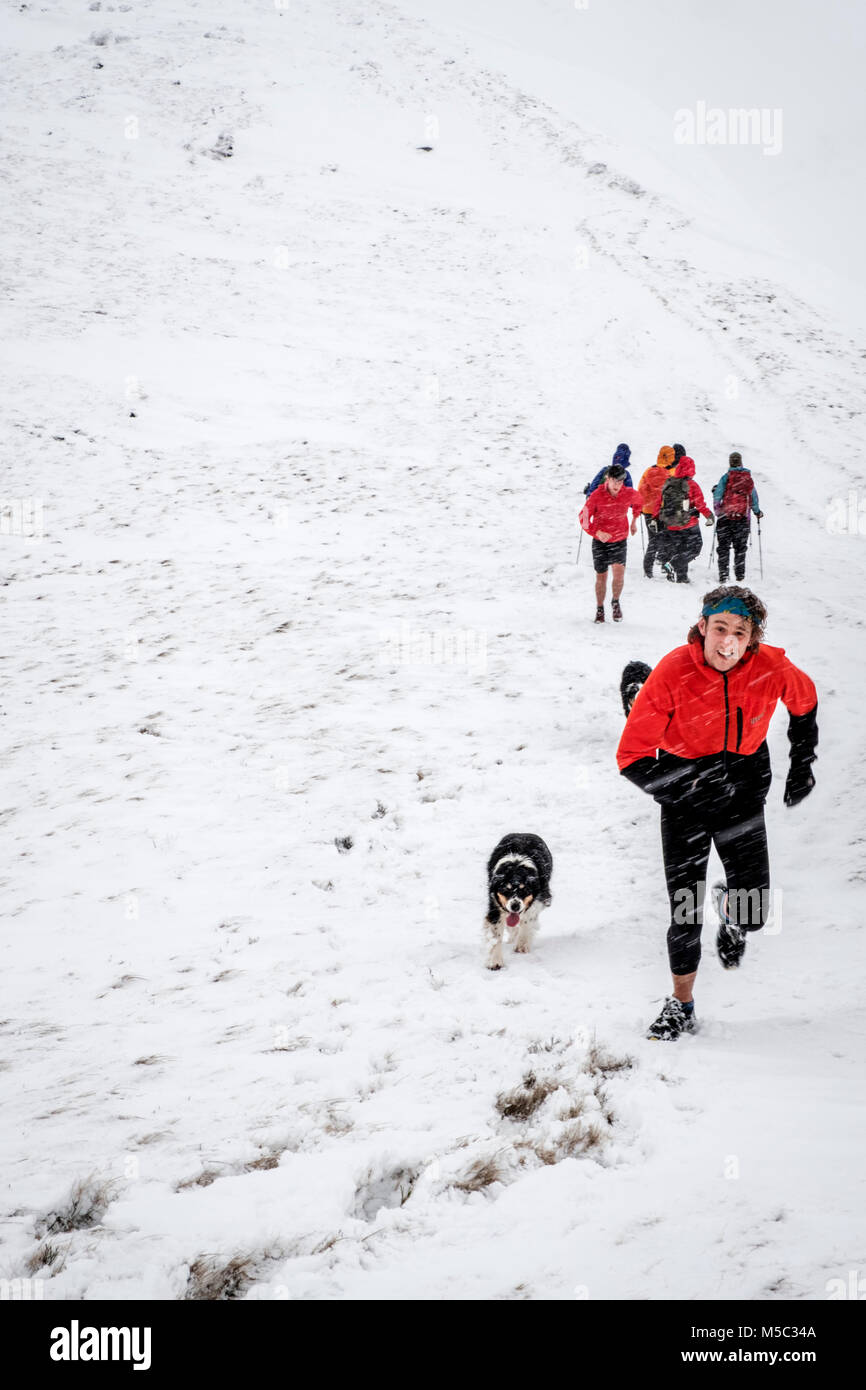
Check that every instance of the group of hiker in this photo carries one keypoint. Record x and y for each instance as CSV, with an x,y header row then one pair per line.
x,y
670,504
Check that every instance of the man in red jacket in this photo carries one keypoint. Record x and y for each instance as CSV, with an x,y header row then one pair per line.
x,y
605,518
695,740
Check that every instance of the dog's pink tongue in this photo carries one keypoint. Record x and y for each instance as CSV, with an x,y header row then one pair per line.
x,y
512,919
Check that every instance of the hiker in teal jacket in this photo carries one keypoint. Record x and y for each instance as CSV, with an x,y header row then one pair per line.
x,y
734,497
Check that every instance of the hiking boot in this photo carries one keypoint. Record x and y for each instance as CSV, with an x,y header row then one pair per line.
x,y
616,611
599,613
672,1021
669,572
730,939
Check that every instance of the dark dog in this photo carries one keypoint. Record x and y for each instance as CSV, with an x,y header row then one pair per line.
x,y
518,887
633,678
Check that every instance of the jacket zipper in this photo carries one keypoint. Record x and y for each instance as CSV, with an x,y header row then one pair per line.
x,y
739,727
727,717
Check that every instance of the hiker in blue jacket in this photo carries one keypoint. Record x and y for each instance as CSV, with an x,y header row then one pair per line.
x,y
734,497
621,456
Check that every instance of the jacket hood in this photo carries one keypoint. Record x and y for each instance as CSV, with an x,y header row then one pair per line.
x,y
679,451
685,468
622,454
735,460
666,458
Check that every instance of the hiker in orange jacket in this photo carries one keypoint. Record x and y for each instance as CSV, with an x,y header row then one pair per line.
x,y
695,740
650,487
679,506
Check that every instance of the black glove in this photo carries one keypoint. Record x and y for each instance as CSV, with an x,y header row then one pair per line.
x,y
803,738
799,784
759,515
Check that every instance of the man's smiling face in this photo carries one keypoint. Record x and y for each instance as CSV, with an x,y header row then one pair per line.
x,y
726,637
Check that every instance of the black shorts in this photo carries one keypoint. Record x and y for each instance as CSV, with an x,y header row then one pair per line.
x,y
606,553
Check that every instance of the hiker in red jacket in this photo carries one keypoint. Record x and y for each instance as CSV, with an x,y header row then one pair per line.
x,y
695,740
605,518
679,507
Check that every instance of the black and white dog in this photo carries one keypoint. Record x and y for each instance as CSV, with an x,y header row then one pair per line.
x,y
518,886
633,678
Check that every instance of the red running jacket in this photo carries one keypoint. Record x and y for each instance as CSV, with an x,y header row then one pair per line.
x,y
693,711
604,512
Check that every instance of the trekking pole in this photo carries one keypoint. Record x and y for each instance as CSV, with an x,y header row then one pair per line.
x,y
583,515
760,551
642,541
712,548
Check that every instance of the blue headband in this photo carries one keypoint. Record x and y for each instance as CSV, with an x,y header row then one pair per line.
x,y
727,605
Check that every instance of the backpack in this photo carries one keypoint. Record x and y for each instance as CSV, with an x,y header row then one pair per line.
x,y
675,509
737,494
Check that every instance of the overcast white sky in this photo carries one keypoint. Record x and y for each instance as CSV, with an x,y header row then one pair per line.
x,y
628,65
802,57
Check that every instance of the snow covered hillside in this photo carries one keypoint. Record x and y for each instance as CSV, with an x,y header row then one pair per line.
x,y
319,325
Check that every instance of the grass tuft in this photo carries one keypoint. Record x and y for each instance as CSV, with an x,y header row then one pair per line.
x,y
574,1109
552,1044
482,1174
214,1280
202,1179
262,1164
45,1256
601,1063
522,1101
576,1139
87,1203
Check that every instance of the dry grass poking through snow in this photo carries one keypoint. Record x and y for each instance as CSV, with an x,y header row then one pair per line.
x,y
48,1255
573,1140
565,1113
269,1159
599,1062
87,1203
481,1175
522,1102
212,1279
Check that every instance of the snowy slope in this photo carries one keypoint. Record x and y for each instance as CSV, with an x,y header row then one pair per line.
x,y
300,399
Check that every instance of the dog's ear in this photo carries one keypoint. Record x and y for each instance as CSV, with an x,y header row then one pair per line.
x,y
493,909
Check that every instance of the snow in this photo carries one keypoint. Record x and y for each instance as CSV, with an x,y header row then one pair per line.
x,y
292,413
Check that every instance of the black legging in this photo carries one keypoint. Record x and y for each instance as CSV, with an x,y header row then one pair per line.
x,y
732,532
652,550
680,548
742,848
